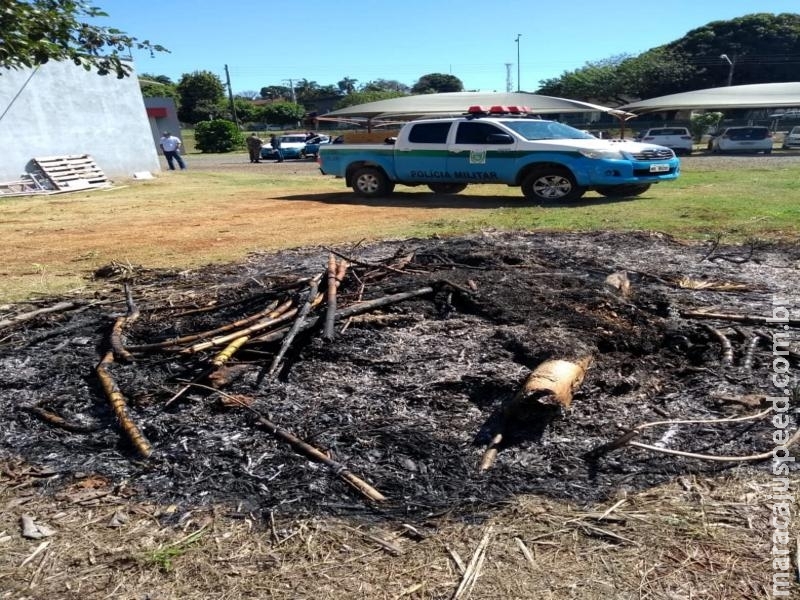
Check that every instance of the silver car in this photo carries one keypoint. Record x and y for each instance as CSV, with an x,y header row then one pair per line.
x,y
748,138
792,139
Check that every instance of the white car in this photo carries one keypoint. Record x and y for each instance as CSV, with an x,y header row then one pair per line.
x,y
792,139
747,138
678,138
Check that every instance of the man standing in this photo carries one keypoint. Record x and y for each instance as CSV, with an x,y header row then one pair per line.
x,y
254,144
171,146
275,142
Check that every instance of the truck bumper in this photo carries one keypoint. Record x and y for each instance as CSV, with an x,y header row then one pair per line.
x,y
617,172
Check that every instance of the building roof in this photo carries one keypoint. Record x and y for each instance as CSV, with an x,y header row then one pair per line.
x,y
757,95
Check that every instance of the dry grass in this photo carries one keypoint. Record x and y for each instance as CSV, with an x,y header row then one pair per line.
x,y
691,539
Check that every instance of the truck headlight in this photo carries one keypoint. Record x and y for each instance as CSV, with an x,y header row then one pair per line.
x,y
592,153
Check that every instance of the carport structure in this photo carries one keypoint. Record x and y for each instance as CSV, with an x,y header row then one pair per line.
x,y
756,95
395,110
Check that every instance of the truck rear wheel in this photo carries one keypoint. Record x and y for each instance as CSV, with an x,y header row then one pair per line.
x,y
371,182
551,184
623,191
447,188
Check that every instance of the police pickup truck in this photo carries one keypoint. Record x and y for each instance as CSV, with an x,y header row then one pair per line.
x,y
550,161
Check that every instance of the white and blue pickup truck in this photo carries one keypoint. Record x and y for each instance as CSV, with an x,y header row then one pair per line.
x,y
550,161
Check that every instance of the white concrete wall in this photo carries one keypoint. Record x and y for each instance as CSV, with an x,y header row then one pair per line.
x,y
61,109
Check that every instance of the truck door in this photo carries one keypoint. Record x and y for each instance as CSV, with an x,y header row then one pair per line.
x,y
422,156
481,152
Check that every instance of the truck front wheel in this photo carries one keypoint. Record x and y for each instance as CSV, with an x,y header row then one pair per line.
x,y
371,182
549,184
447,188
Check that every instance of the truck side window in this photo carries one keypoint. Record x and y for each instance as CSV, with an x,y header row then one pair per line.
x,y
475,133
429,133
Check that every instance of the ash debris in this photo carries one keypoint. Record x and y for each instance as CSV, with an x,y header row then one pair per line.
x,y
406,395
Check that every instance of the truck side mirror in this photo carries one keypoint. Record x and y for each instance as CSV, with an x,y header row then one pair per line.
x,y
499,138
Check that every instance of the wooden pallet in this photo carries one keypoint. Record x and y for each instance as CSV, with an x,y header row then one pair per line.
x,y
73,172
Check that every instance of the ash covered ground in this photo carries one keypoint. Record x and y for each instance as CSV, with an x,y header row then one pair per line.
x,y
407,396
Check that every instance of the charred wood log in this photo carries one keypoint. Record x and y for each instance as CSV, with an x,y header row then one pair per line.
x,y
727,349
175,342
120,408
280,315
117,345
310,451
753,319
312,300
57,420
552,383
27,316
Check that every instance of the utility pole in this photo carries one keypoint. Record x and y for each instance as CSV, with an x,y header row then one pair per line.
x,y
230,96
519,85
508,77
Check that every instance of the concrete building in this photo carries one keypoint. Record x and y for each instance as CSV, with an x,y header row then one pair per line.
x,y
61,109
162,116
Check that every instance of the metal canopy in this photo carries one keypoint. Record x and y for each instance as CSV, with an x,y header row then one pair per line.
x,y
757,95
457,103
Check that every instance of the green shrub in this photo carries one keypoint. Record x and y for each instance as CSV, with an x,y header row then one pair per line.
x,y
701,123
217,136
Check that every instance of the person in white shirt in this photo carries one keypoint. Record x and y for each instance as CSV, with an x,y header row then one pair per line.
x,y
171,146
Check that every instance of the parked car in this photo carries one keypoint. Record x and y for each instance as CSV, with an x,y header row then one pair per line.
x,y
292,145
748,138
792,139
678,138
312,146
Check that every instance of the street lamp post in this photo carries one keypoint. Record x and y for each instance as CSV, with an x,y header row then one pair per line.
x,y
730,66
519,87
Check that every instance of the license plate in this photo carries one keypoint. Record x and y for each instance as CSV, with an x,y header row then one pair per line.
x,y
659,168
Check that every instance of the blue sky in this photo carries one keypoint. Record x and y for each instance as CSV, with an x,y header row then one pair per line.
x,y
267,43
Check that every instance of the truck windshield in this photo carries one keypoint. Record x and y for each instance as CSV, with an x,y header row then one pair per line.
x,y
546,130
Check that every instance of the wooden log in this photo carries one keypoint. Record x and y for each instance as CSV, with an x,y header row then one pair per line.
x,y
27,316
120,407
699,314
552,383
117,345
174,342
312,300
345,313
330,314
619,282
310,451
273,318
727,349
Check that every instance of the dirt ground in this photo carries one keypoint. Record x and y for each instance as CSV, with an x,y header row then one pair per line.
x,y
406,396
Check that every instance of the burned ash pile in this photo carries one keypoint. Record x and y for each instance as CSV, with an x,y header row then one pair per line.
x,y
433,341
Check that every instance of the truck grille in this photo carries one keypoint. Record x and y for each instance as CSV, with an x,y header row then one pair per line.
x,y
653,154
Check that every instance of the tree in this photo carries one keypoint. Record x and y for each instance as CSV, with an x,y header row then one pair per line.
x,y
437,83
702,123
347,85
363,97
33,32
385,85
762,48
281,113
200,92
219,135
158,85
275,92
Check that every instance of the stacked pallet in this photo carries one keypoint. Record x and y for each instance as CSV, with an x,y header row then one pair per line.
x,y
73,172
